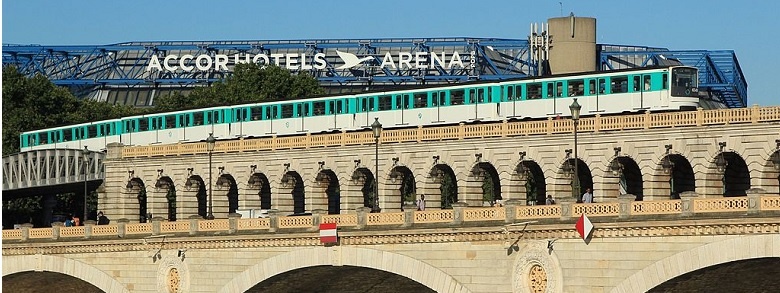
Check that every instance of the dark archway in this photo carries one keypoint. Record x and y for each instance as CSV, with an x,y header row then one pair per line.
x,y
166,183
448,184
629,176
227,181
750,275
408,186
363,177
584,178
46,282
332,190
489,181
774,163
200,195
141,196
533,181
339,279
293,180
736,176
681,177
259,179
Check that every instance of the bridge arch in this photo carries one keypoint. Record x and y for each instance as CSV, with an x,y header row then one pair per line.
x,y
66,266
739,248
406,266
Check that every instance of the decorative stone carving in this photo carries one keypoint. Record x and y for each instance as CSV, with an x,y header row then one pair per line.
x,y
537,269
172,275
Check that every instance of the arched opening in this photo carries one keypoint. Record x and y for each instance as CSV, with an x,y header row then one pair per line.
x,y
264,192
448,184
329,179
407,188
534,187
487,178
365,179
138,184
734,174
583,180
294,182
774,172
166,183
310,279
227,181
42,282
749,275
680,174
196,181
628,177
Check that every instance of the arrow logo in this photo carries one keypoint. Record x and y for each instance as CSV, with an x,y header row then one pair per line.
x,y
351,60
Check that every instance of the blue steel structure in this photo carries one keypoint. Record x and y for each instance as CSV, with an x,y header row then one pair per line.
x,y
88,70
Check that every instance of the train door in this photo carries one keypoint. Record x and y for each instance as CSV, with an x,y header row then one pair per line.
x,y
362,111
641,96
238,116
155,124
129,127
270,114
400,106
303,112
336,108
662,85
438,100
475,97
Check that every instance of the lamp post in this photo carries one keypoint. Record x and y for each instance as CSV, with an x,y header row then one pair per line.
x,y
210,142
575,117
85,152
668,167
721,164
376,127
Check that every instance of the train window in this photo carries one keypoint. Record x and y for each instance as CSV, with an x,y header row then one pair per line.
x,y
636,83
619,84
405,100
534,91
576,88
319,108
456,97
510,93
646,85
372,103
143,124
170,121
480,95
43,138
287,111
385,103
420,100
665,81
92,131
256,113
68,135
274,112
198,118
559,89
339,106
363,106
549,93
602,85
592,87
217,116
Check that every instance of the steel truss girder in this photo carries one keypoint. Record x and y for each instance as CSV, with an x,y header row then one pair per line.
x,y
719,72
50,167
124,64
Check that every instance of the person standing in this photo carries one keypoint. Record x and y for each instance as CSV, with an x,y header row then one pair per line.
x,y
587,197
102,220
550,200
421,203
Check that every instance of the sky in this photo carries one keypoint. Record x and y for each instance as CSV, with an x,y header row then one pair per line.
x,y
751,28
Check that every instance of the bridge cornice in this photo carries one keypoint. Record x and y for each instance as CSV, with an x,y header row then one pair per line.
x,y
492,233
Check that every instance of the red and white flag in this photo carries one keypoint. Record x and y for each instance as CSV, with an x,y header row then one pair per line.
x,y
584,226
328,233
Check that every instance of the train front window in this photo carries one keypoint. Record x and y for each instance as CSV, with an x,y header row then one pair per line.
x,y
685,82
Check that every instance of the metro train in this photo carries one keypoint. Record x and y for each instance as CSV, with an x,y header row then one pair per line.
x,y
623,91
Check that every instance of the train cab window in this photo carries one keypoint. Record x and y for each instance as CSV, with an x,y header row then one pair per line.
x,y
456,97
385,103
619,84
287,111
420,100
534,91
576,88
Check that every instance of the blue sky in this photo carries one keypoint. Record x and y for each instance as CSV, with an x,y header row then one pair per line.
x,y
750,28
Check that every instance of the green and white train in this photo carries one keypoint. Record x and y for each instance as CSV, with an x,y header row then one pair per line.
x,y
654,89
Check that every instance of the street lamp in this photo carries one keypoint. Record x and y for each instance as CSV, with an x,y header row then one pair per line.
x,y
721,164
668,167
85,152
210,142
376,127
575,117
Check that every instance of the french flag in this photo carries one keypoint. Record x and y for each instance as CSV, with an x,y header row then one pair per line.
x,y
328,233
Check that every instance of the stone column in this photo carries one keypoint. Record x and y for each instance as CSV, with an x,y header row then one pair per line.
x,y
156,225
26,231
88,224
362,218
409,215
233,222
55,230
121,227
754,200
194,223
687,199
457,214
625,201
566,203
273,220
511,209
316,218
